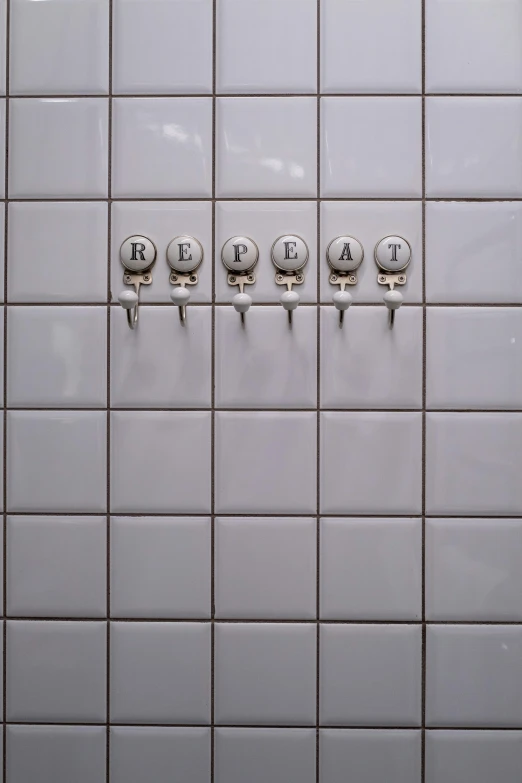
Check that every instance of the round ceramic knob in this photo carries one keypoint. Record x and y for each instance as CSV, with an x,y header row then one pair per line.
x,y
344,254
137,253
289,253
241,302
239,254
180,295
184,254
128,299
393,299
342,300
393,254
290,300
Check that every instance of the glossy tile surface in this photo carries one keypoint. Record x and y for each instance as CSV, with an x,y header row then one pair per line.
x,y
481,756
2,142
259,755
364,755
3,40
56,753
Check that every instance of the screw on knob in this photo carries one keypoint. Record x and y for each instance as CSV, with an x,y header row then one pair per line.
x,y
290,300
393,300
241,304
342,300
180,297
129,301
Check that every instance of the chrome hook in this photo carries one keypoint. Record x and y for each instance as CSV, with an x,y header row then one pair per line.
x,y
289,256
239,256
137,255
344,256
392,256
184,256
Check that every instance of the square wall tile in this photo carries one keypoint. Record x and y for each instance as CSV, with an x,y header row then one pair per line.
x,y
266,147
58,148
465,242
286,30
2,248
473,463
369,222
160,462
370,675
161,364
362,63
480,756
56,671
463,163
3,24
262,755
473,47
161,221
264,222
371,569
57,753
160,672
154,753
161,65
275,454
371,463
56,566
264,364
2,143
364,755
367,364
48,472
474,357
265,673
162,147
71,57
371,147
74,269
57,357
474,675
266,568
160,567
474,569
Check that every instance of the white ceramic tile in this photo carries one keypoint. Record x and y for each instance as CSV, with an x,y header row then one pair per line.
x,y
265,673
460,162
367,755
160,462
473,252
368,365
371,147
56,566
266,568
57,461
2,248
266,147
2,466
56,671
161,221
146,56
473,46
57,357
474,675
154,753
265,463
3,42
370,675
70,56
264,364
2,143
57,252
371,569
160,567
371,463
58,148
262,755
474,357
57,753
264,222
357,40
267,47
473,463
474,569
161,363
480,756
162,147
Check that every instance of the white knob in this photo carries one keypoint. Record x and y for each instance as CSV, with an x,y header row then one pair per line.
x,y
180,295
290,300
241,302
128,299
393,299
342,300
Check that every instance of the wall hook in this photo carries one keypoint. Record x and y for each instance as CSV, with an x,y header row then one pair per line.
x,y
289,256
239,256
138,255
392,256
184,256
344,256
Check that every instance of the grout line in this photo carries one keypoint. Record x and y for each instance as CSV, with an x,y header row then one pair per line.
x,y
265,515
209,96
275,303
108,370
213,407
448,199
415,622
295,727
424,366
115,409
318,415
4,439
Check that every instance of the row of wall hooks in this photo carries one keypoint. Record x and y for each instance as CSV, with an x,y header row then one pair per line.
x,y
240,255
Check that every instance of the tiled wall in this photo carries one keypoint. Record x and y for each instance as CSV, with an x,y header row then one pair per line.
x,y
261,554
